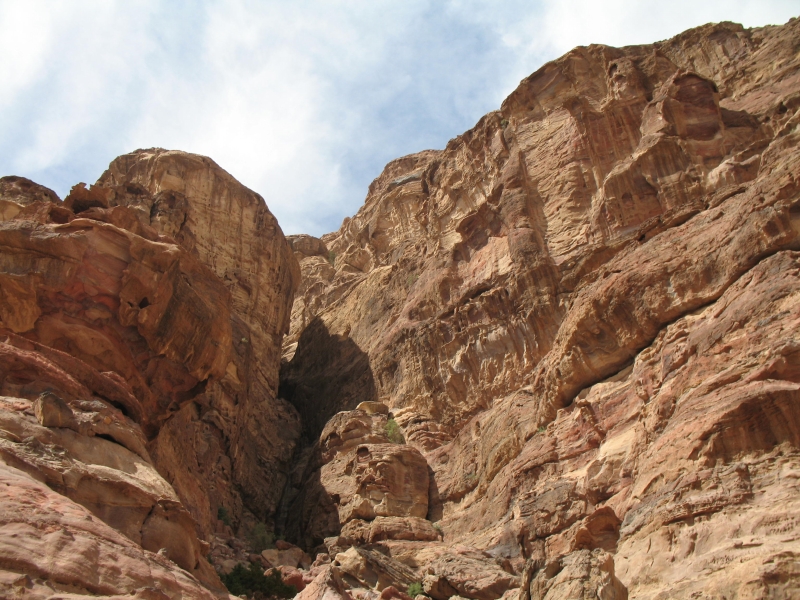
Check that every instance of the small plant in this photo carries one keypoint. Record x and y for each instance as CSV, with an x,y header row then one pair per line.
x,y
438,528
415,589
503,123
252,581
541,429
222,515
392,430
260,538
471,477
332,257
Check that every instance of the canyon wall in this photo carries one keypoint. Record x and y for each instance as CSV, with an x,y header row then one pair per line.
x,y
140,331
583,313
559,358
232,444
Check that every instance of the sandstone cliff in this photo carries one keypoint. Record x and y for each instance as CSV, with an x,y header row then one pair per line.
x,y
584,313
559,358
235,437
139,355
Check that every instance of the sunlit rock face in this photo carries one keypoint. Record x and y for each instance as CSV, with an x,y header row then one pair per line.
x,y
583,313
237,424
559,358
136,383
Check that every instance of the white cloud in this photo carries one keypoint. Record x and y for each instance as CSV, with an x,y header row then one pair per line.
x,y
304,101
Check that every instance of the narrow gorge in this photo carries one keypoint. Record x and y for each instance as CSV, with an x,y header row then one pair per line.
x,y
558,359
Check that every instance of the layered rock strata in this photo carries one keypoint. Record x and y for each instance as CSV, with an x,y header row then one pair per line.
x,y
583,314
559,358
120,398
230,230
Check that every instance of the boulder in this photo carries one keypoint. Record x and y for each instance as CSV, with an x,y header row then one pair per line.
x,y
467,574
374,570
327,585
581,574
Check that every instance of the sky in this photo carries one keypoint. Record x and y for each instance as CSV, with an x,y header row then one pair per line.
x,y
302,101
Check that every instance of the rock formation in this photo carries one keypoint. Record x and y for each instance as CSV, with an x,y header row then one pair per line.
x,y
136,383
230,230
584,313
558,359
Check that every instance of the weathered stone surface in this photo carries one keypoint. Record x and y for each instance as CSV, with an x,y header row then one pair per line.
x,y
509,218
22,191
579,575
287,557
402,528
190,199
110,329
583,313
297,577
51,546
348,429
388,480
373,569
130,318
328,585
359,532
354,473
469,574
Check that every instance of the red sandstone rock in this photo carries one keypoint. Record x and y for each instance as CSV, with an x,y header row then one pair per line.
x,y
237,427
392,592
582,574
111,329
582,312
328,585
296,577
51,546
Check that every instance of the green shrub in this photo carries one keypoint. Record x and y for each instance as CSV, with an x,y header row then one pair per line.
x,y
332,257
260,538
415,589
393,432
252,581
222,515
503,123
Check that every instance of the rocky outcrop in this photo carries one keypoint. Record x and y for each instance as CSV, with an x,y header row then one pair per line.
x,y
120,358
355,474
53,547
581,574
105,333
237,425
583,314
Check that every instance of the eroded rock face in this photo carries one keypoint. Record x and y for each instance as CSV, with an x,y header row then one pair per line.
x,y
355,473
105,332
230,230
51,546
120,357
581,574
583,314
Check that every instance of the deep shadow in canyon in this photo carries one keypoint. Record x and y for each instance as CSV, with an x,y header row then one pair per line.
x,y
306,380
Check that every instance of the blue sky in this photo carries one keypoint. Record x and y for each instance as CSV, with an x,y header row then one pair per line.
x,y
302,101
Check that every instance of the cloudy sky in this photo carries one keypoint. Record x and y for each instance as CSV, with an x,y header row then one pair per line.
x,y
303,101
